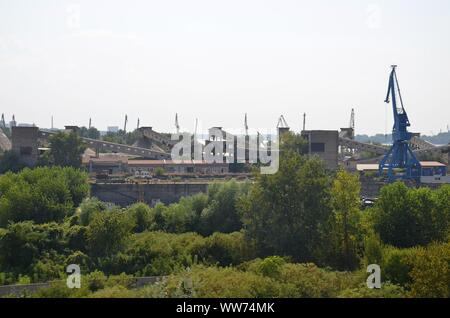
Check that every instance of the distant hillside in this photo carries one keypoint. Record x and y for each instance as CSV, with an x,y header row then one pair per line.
x,y
439,139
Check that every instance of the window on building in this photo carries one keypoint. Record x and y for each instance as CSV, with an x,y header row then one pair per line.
x,y
317,147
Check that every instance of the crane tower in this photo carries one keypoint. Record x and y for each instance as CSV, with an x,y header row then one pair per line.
x,y
399,157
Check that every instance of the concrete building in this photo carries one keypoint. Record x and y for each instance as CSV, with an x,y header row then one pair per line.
x,y
112,129
433,168
109,164
429,168
114,164
324,144
184,167
24,141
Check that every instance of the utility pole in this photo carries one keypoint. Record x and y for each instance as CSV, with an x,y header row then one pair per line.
x,y
177,126
304,121
246,125
196,126
52,123
137,124
90,122
125,124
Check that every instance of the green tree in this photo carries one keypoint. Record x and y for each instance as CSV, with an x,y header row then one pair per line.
x,y
88,208
108,232
26,247
66,149
142,217
91,132
406,217
287,213
221,214
41,194
346,231
9,162
121,137
293,142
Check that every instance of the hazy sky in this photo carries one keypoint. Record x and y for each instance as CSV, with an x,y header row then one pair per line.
x,y
216,60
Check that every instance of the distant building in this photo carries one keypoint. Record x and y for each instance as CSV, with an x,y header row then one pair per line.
x,y
109,164
433,168
324,144
24,141
112,164
429,168
432,171
184,167
112,129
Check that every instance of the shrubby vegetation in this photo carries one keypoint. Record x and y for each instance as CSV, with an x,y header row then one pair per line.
x,y
9,162
297,233
406,217
41,195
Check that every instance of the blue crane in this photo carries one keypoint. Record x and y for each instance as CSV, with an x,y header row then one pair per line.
x,y
400,157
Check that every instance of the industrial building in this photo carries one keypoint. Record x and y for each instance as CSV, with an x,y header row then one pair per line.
x,y
324,144
429,168
24,141
115,164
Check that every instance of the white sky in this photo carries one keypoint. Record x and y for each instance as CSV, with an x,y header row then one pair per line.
x,y
216,60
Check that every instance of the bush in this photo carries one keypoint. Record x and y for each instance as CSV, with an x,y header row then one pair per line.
x,y
397,264
405,217
76,236
142,217
226,249
215,282
41,195
88,208
115,292
270,266
108,232
388,290
373,250
221,214
431,272
310,281
23,244
157,253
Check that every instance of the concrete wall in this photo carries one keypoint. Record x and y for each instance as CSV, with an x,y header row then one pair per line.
x,y
126,194
330,139
24,141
